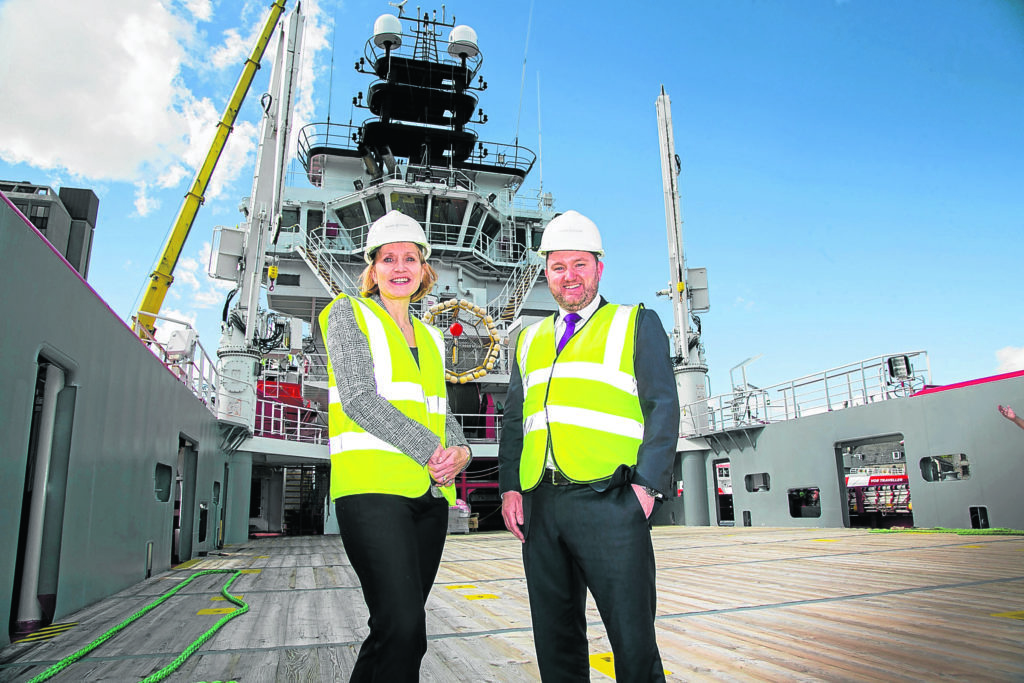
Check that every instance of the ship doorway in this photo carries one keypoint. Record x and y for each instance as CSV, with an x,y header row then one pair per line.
x,y
306,489
184,501
36,575
723,493
874,482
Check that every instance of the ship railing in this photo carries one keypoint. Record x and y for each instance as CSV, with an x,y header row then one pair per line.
x,y
314,368
424,44
185,358
480,428
319,245
326,241
503,155
532,201
505,307
316,138
500,249
868,381
277,420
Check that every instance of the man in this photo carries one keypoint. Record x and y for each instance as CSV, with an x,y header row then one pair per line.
x,y
587,446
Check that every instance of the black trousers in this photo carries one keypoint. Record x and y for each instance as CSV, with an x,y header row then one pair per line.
x,y
394,544
578,538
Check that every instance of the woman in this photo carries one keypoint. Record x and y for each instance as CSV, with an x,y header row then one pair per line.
x,y
395,450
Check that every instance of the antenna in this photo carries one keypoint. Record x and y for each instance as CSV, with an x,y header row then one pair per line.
x,y
330,86
522,82
540,143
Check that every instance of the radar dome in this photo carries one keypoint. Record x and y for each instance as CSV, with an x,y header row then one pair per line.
x,y
387,29
463,42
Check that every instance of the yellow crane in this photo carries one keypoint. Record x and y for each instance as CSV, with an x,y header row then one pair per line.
x,y
162,277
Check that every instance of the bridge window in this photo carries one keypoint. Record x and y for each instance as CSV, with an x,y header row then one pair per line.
x,y
375,205
492,226
446,216
352,216
413,205
945,467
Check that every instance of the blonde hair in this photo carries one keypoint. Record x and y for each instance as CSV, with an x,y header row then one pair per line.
x,y
367,286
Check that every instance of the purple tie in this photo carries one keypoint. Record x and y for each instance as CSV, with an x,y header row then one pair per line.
x,y
570,327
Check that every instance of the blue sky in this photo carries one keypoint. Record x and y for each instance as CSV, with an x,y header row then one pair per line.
x,y
852,172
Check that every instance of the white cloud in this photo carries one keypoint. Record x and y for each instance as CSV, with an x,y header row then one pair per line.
x,y
233,51
117,74
1010,358
200,9
144,204
126,113
172,176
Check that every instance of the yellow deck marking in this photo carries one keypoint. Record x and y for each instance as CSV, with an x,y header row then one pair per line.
x,y
48,632
972,546
455,588
826,540
188,564
222,598
604,663
216,610
482,596
1009,615
250,571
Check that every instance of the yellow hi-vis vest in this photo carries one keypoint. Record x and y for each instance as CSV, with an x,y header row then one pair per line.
x,y
584,401
361,462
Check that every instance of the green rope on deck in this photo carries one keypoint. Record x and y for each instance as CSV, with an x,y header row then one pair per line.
x,y
958,532
173,666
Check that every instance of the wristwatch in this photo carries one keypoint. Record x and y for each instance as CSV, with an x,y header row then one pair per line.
x,y
653,494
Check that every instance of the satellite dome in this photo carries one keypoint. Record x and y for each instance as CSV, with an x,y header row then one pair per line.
x,y
463,42
388,29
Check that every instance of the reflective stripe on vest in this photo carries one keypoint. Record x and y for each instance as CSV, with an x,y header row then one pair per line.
x,y
585,401
360,461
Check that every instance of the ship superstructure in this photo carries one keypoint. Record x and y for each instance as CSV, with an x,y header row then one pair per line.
x,y
419,150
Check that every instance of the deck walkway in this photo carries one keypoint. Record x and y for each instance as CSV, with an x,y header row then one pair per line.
x,y
744,604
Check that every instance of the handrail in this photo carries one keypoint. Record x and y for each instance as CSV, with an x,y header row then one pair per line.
x,y
189,363
859,383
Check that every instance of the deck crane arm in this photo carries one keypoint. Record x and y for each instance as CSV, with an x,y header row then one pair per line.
x,y
162,277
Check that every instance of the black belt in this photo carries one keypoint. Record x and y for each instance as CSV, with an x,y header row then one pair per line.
x,y
556,478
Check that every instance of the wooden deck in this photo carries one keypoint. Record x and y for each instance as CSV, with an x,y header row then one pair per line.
x,y
744,604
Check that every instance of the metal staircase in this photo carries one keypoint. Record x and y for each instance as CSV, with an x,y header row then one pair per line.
x,y
505,307
327,269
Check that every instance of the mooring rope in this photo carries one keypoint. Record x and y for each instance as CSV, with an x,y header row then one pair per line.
x,y
173,666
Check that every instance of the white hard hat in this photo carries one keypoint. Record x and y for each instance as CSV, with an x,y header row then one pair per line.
x,y
571,231
394,226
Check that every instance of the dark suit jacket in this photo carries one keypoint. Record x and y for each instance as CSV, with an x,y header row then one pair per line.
x,y
659,402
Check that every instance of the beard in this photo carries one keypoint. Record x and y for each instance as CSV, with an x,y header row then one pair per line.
x,y
578,298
